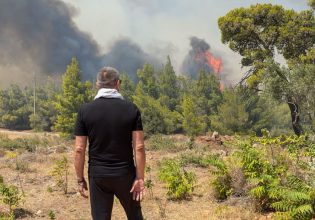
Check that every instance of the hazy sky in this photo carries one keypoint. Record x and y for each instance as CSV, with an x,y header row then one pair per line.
x,y
164,26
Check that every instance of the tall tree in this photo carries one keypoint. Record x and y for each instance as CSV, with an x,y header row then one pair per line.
x,y
257,32
207,95
194,122
168,86
127,87
147,81
74,93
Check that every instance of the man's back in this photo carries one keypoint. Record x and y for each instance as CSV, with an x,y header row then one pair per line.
x,y
109,123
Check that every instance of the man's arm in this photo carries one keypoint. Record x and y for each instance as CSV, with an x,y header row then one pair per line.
x,y
79,159
139,154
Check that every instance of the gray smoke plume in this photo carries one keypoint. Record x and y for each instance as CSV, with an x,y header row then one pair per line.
x,y
41,35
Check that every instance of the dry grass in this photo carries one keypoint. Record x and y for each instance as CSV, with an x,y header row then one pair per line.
x,y
41,196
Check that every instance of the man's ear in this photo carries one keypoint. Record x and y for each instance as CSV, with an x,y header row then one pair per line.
x,y
117,86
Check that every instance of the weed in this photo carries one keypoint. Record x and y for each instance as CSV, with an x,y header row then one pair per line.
x,y
180,183
51,214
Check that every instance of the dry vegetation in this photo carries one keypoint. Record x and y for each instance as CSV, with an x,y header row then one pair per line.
x,y
31,173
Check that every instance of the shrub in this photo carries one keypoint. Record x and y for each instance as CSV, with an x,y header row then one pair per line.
x,y
51,214
180,183
10,196
60,173
223,182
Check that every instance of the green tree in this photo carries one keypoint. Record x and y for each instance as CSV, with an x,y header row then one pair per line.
x,y
14,108
45,111
156,118
74,94
127,87
194,122
147,81
207,89
257,32
168,86
232,116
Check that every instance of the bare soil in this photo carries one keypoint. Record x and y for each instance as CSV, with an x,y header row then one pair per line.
x,y
43,196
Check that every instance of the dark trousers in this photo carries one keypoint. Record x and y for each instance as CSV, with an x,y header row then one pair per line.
x,y
102,191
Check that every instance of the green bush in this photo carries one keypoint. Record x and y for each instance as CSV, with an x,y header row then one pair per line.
x,y
180,183
60,172
10,196
223,181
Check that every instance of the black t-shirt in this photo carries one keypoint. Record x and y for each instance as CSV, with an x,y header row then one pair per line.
x,y
108,123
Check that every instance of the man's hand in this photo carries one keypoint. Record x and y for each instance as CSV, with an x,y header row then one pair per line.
x,y
138,190
82,187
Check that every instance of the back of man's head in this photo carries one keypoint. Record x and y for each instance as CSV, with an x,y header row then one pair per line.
x,y
107,77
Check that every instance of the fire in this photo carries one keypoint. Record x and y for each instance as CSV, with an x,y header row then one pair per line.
x,y
216,64
207,58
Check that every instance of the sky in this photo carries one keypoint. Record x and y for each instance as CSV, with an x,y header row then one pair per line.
x,y
163,27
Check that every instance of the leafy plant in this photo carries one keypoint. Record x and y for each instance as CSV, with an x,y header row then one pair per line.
x,y
148,182
180,183
222,182
51,214
60,173
10,196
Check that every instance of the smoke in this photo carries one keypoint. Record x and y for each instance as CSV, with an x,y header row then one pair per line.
x,y
40,35
128,57
200,58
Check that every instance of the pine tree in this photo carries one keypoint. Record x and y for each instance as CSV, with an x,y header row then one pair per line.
x,y
127,88
194,123
74,94
147,81
231,116
168,86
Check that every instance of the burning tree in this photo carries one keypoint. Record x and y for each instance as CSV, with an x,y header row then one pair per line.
x,y
201,58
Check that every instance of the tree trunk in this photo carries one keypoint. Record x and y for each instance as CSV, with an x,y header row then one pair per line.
x,y
295,117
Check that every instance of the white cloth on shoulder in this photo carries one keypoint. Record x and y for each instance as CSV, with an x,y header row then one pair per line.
x,y
108,93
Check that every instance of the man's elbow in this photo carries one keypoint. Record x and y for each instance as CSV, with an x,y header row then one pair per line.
x,y
79,150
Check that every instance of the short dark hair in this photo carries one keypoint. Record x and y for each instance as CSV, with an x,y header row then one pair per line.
x,y
107,77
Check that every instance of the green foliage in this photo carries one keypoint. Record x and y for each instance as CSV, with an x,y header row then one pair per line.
x,y
29,144
223,182
147,81
194,122
14,108
256,33
127,88
156,118
10,196
168,86
180,183
51,214
74,94
232,116
45,111
60,172
148,182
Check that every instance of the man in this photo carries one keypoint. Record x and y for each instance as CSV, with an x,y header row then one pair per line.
x,y
114,130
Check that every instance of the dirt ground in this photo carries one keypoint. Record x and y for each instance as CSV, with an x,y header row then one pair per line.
x,y
42,195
